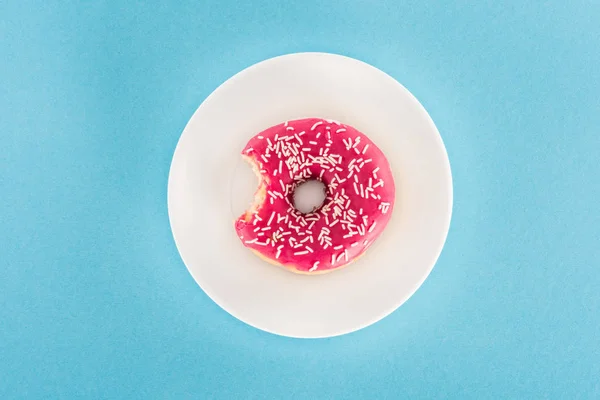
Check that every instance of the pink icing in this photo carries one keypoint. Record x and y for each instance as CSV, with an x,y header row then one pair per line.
x,y
359,202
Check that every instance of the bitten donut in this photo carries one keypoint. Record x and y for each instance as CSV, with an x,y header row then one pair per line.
x,y
359,200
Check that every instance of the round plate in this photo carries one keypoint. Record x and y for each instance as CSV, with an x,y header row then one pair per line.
x,y
209,186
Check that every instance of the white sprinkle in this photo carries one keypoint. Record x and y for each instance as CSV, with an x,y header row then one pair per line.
x,y
362,190
261,137
271,218
313,217
365,149
332,259
311,225
334,222
354,244
307,149
266,228
372,227
315,125
278,251
257,229
361,230
340,130
264,158
312,142
309,249
346,255
340,257
289,128
338,247
301,253
263,243
314,267
360,211
252,241
280,166
318,134
380,183
298,138
355,187
384,207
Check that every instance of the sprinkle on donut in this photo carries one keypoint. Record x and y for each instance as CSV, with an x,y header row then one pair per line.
x,y
358,204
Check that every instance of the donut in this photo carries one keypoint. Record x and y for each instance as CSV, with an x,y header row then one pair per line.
x,y
359,195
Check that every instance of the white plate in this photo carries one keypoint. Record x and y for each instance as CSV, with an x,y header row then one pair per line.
x,y
209,186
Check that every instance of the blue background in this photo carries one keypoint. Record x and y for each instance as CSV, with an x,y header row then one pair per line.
x,y
95,301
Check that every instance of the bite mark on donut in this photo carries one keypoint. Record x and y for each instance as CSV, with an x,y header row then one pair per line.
x,y
260,195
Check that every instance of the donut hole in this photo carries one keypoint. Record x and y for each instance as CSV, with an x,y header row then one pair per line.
x,y
309,196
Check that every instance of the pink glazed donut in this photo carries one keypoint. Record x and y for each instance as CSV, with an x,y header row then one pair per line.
x,y
358,204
